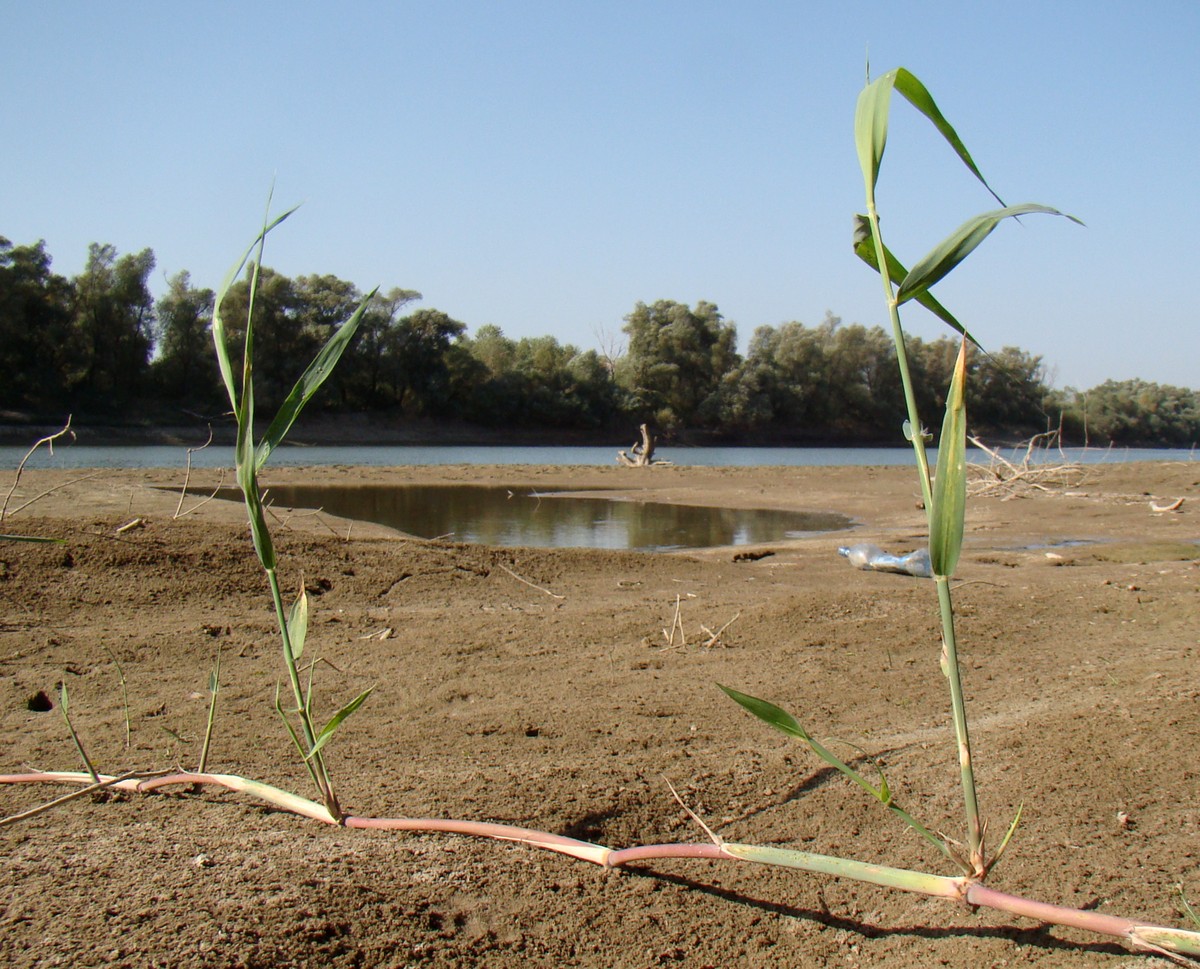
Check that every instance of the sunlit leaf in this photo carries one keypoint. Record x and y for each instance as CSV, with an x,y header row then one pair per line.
x,y
1012,829
781,720
950,483
864,248
260,534
919,97
327,732
219,332
31,538
297,623
871,124
769,713
871,127
295,736
961,243
311,380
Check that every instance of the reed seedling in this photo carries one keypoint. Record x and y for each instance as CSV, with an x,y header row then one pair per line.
x,y
250,457
64,707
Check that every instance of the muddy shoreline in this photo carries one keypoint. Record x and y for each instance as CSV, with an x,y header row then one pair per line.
x,y
558,702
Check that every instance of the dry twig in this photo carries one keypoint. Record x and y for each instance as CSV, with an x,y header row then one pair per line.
x,y
552,595
179,512
1006,479
49,442
714,638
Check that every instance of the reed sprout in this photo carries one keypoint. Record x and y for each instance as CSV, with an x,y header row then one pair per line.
x,y
250,457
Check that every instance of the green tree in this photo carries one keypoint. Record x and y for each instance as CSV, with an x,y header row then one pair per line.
x,y
35,328
113,320
416,362
283,345
561,386
185,368
1129,412
783,382
360,377
863,380
1006,390
676,362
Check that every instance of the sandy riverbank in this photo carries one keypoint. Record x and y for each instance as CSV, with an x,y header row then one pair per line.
x,y
536,687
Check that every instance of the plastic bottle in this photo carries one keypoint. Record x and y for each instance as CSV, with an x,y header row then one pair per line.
x,y
872,558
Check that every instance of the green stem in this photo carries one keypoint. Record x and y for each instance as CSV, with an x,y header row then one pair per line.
x,y
902,878
910,398
316,763
64,706
962,737
949,648
215,683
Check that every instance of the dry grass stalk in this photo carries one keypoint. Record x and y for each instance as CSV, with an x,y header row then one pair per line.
x,y
187,475
552,595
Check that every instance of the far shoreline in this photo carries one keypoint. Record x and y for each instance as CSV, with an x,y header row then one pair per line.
x,y
370,430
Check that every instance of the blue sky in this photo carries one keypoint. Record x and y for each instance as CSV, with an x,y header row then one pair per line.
x,y
543,166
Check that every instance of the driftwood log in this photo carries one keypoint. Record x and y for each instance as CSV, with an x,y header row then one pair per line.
x,y
641,453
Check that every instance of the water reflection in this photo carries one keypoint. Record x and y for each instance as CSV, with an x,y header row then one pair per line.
x,y
497,516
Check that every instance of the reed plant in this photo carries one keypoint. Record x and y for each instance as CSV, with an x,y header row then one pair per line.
x,y
944,494
250,457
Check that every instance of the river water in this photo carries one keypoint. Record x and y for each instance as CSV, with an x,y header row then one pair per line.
x,y
167,456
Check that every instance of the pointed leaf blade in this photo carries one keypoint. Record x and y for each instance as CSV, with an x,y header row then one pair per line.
x,y
310,381
948,515
219,333
871,127
1012,829
336,721
769,713
911,88
871,124
952,250
295,736
864,248
297,623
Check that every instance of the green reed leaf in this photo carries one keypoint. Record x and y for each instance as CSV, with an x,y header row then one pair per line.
x,y
296,741
948,515
219,331
1008,835
783,721
328,730
297,623
952,250
311,380
767,712
919,97
871,124
871,127
864,248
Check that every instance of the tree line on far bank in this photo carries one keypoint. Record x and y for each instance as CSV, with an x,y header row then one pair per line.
x,y
99,344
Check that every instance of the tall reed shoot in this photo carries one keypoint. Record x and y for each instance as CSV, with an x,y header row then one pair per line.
x,y
944,494
250,457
